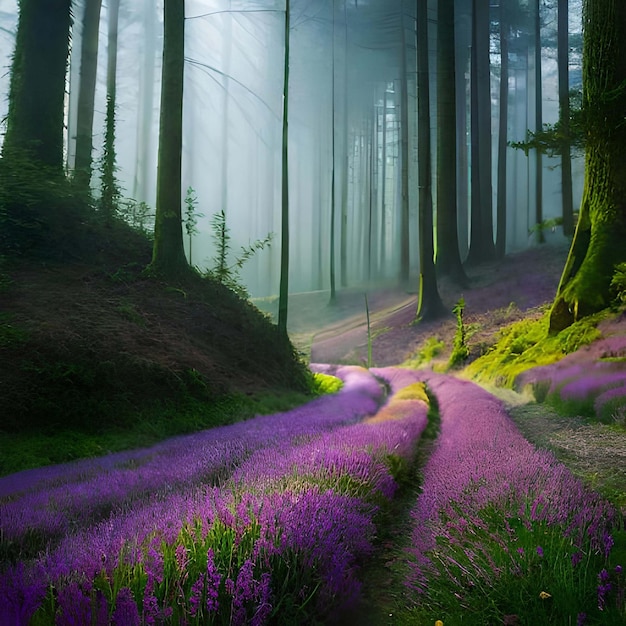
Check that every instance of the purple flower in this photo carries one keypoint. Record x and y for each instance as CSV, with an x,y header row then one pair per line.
x,y
603,588
195,598
577,557
581,619
126,612
213,579
540,551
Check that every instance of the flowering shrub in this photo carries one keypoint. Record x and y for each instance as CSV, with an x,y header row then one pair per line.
x,y
504,528
257,522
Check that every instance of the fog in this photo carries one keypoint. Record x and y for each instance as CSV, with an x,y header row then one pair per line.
x,y
346,65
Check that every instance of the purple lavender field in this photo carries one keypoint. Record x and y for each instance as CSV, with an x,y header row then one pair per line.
x,y
265,521
272,521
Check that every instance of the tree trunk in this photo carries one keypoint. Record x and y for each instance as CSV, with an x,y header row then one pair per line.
x,y
482,247
110,191
333,201
502,135
564,112
168,253
598,244
538,126
429,305
448,255
86,96
346,165
144,171
37,90
404,162
283,293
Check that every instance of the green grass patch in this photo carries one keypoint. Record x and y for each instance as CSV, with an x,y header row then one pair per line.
x,y
431,348
527,343
25,450
324,384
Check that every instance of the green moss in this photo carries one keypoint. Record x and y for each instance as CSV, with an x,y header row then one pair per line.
x,y
527,344
324,384
430,349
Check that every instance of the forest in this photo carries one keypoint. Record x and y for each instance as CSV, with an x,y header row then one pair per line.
x,y
313,312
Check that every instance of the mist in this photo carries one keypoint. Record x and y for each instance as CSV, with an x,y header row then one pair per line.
x,y
347,63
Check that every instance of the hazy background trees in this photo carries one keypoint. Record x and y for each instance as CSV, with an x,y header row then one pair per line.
x,y
352,120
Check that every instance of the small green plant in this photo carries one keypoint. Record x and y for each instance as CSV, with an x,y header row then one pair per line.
x,y
324,384
430,349
191,219
460,351
618,284
228,274
139,215
369,334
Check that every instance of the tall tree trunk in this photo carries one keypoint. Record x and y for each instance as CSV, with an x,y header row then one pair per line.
x,y
86,96
168,255
429,305
564,112
383,190
538,126
482,247
143,171
283,293
110,191
598,244
448,255
333,202
404,161
343,258
502,135
37,89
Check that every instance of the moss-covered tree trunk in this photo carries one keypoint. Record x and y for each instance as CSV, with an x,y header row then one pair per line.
x,y
168,255
600,239
37,91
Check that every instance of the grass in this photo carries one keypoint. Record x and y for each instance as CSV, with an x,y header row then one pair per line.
x,y
527,344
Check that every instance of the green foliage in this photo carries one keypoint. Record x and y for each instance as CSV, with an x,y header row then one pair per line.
x,y
527,343
618,284
430,349
498,569
554,138
109,188
10,335
324,384
225,272
460,351
369,334
39,214
191,218
138,215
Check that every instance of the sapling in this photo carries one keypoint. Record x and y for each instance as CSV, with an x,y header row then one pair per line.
x,y
225,273
369,334
191,218
460,351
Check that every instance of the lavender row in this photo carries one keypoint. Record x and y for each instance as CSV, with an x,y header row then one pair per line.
x,y
486,493
281,538
49,502
593,375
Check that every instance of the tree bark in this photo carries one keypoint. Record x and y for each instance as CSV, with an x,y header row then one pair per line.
x,y
404,163
429,305
86,96
538,127
283,293
168,253
448,255
502,136
564,113
37,89
598,244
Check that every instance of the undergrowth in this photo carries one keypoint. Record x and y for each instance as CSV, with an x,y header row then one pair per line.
x,y
527,343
